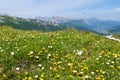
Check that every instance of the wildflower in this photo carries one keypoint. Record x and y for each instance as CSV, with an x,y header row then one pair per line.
x,y
118,67
57,76
31,52
97,58
50,68
41,78
39,65
1,50
30,78
100,56
4,75
33,36
112,62
59,62
74,71
70,64
103,72
99,78
42,68
50,46
17,68
80,52
26,73
12,53
81,73
112,66
36,76
18,49
48,56
108,63
37,57
92,72
87,76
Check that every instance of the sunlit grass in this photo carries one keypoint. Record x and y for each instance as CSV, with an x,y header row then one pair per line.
x,y
64,55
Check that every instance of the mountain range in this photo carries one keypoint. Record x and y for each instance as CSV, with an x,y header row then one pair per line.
x,y
59,23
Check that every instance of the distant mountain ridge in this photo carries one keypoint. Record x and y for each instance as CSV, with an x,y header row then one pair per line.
x,y
29,24
59,23
92,24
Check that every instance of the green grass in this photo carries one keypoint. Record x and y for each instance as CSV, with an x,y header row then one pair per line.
x,y
36,55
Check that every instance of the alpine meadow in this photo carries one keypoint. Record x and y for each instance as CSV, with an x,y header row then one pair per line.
x,y
59,39
61,55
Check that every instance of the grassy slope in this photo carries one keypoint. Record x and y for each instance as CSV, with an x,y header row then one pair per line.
x,y
53,55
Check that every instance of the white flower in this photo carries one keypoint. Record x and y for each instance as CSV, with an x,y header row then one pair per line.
x,y
50,47
37,57
49,55
36,76
50,68
31,52
112,62
74,71
42,68
81,72
97,58
70,64
103,72
39,65
1,50
100,56
17,68
80,52
107,63
92,73
86,76
12,53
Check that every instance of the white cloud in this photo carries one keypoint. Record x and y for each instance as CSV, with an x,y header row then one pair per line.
x,y
117,9
43,7
101,14
32,8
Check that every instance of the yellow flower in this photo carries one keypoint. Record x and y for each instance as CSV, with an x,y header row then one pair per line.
x,y
26,73
54,69
99,78
30,78
42,75
24,78
112,66
71,76
118,67
86,67
41,78
70,64
33,36
59,62
57,76
4,75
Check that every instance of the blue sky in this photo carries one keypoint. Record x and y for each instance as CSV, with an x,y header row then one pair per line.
x,y
102,9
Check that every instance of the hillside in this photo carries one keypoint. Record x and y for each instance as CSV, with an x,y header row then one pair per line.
x,y
29,24
61,55
114,29
93,24
60,23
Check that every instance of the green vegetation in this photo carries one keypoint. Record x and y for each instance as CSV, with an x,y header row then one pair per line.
x,y
62,55
29,24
